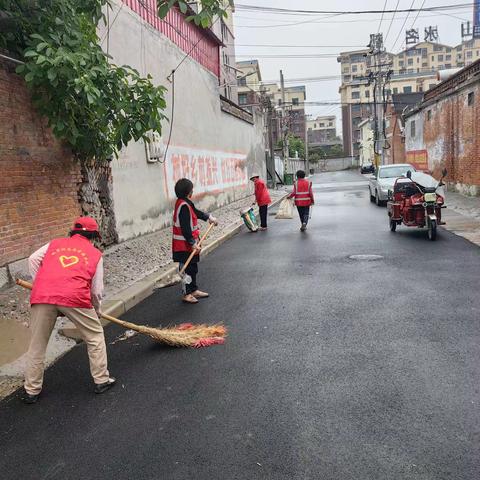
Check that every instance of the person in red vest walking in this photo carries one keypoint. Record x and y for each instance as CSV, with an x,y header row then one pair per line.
x,y
303,195
185,236
67,280
262,198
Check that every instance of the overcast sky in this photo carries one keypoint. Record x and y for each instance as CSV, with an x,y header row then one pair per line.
x,y
257,28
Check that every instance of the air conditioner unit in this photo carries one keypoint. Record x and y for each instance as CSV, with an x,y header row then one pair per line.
x,y
154,149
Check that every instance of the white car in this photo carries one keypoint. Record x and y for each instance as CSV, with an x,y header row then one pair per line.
x,y
384,178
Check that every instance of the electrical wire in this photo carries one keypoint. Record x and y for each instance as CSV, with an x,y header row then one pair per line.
x,y
349,12
391,22
172,76
381,19
401,28
416,18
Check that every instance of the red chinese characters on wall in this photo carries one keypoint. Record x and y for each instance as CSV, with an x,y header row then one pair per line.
x,y
210,171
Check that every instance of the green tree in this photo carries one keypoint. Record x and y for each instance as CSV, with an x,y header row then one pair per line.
x,y
94,106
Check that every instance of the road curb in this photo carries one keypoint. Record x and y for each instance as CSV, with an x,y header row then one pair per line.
x,y
119,303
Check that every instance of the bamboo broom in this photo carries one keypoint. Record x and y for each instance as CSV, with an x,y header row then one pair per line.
x,y
184,335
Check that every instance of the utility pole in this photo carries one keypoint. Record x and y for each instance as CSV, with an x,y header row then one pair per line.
x,y
268,109
307,160
284,127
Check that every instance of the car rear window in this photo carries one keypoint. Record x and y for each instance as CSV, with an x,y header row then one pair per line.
x,y
394,172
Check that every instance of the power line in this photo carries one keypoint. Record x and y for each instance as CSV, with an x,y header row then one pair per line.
x,y
293,46
383,13
391,22
401,28
418,13
349,12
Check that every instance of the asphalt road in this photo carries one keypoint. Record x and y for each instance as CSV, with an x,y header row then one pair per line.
x,y
334,368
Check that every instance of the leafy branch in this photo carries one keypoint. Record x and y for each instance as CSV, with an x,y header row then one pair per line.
x,y
94,106
208,10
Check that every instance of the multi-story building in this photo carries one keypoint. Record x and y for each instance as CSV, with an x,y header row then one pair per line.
x,y
295,97
322,130
223,29
249,80
413,70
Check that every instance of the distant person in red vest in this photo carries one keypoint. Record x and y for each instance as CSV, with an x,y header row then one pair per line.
x,y
303,195
67,280
262,198
185,237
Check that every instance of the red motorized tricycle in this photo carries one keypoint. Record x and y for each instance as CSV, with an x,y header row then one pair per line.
x,y
417,202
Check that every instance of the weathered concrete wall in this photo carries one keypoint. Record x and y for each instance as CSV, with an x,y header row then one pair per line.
x,y
336,164
415,151
214,148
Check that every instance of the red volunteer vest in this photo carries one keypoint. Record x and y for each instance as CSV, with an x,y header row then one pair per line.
x,y
302,193
65,275
179,243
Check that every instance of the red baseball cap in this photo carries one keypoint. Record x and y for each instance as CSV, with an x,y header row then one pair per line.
x,y
87,224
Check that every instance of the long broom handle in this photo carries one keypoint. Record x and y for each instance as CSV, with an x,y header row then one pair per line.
x,y
131,326
187,263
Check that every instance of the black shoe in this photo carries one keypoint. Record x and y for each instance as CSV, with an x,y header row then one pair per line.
x,y
103,387
30,399
303,227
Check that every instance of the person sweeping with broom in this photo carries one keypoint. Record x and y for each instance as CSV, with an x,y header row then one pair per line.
x,y
68,280
185,237
303,195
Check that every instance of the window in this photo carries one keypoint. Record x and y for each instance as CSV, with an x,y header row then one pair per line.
x,y
242,81
424,53
432,85
355,95
441,67
314,125
448,65
354,68
410,61
425,65
279,102
448,50
437,48
294,101
429,115
242,98
471,99
440,58
469,54
407,89
395,90
420,88
322,124
412,128
367,93
347,78
448,57
401,63
433,58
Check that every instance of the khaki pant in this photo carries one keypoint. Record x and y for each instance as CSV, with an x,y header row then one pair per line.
x,y
86,320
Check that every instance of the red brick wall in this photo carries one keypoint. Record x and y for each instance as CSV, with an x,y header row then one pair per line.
x,y
452,136
38,178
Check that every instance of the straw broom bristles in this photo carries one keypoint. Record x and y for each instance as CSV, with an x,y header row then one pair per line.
x,y
185,335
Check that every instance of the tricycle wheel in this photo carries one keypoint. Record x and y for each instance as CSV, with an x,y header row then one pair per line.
x,y
432,230
393,225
